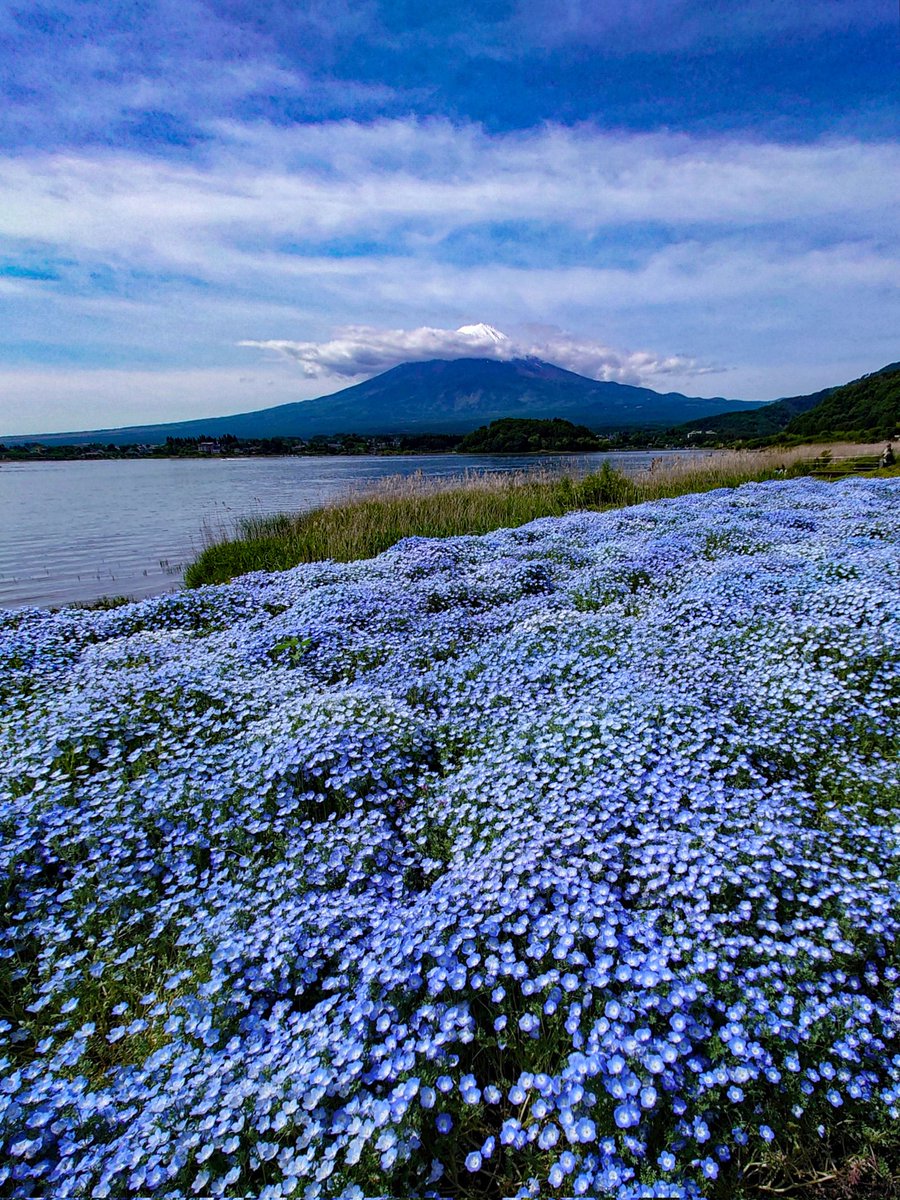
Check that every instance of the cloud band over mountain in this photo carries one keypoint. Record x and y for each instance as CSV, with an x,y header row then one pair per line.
x,y
361,350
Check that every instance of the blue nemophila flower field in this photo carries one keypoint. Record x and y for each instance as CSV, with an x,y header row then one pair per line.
x,y
558,861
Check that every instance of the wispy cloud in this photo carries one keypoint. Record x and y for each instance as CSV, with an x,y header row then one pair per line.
x,y
663,255
87,71
676,25
90,71
412,180
361,350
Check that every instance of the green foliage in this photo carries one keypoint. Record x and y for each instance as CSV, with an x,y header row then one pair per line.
x,y
290,650
104,603
227,445
363,527
867,408
518,435
757,424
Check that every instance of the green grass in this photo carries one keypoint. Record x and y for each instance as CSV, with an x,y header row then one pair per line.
x,y
364,524
103,603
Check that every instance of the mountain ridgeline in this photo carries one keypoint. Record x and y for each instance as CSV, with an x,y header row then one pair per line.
x,y
456,397
868,409
438,396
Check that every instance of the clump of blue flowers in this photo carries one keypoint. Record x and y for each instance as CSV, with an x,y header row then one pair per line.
x,y
560,861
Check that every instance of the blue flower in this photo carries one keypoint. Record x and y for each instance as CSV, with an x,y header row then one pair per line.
x,y
627,1115
338,841
710,1168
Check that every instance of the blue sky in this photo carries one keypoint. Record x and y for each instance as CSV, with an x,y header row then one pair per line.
x,y
212,207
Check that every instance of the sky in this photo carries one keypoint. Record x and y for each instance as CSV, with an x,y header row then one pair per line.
x,y
212,206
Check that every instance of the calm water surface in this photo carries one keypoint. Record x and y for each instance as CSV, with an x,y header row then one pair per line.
x,y
73,531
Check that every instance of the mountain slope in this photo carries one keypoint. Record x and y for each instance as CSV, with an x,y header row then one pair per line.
x,y
442,396
765,421
868,407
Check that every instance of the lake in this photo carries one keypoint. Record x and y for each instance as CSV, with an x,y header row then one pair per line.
x,y
74,531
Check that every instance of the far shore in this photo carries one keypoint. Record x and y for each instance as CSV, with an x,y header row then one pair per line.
x,y
19,454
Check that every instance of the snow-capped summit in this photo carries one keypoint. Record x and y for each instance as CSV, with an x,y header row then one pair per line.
x,y
483,332
443,395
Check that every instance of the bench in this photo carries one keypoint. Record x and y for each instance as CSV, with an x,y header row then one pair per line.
x,y
825,467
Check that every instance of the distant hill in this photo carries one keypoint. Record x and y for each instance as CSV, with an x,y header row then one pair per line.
x,y
438,396
867,408
521,435
766,421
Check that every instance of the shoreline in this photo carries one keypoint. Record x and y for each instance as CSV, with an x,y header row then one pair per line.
x,y
62,548
404,455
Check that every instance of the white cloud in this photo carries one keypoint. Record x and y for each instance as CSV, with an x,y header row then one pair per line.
x,y
360,350
414,182
671,26
779,260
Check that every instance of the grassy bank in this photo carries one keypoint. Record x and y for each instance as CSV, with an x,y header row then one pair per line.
x,y
363,523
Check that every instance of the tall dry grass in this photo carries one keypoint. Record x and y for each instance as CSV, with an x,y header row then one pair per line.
x,y
371,518
730,468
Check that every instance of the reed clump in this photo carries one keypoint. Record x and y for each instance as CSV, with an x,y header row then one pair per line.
x,y
368,520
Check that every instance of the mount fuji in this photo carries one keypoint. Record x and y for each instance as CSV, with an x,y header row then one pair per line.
x,y
438,396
